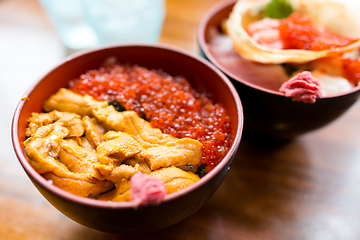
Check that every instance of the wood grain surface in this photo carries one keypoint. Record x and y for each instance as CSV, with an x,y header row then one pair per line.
x,y
305,189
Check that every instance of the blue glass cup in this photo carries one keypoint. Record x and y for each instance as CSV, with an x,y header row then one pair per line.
x,y
84,24
131,21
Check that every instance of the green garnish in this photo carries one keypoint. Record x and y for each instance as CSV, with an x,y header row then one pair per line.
x,y
118,107
201,171
290,68
278,9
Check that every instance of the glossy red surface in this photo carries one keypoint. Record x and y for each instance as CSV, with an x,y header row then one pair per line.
x,y
298,31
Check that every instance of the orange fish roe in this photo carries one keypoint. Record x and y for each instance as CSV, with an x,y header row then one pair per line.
x,y
298,31
169,103
351,70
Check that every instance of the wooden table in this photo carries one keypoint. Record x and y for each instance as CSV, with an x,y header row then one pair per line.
x,y
305,189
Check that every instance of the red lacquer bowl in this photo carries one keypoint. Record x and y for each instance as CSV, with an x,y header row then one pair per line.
x,y
269,114
125,216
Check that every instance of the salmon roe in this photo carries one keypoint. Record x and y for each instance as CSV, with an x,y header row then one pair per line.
x,y
298,31
168,103
351,70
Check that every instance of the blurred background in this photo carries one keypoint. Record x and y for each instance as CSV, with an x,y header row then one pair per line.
x,y
91,23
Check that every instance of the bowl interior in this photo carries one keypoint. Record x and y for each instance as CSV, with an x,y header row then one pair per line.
x,y
214,19
173,61
269,114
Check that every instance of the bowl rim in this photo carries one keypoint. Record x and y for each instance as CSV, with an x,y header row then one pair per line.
x,y
205,49
33,174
